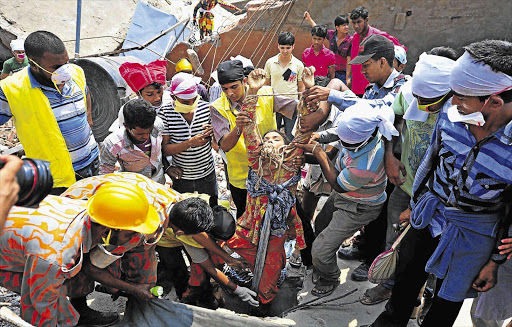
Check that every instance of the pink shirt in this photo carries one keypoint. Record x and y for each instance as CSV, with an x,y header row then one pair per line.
x,y
359,82
321,62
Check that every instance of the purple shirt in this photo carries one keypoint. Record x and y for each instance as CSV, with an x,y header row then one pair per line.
x,y
321,62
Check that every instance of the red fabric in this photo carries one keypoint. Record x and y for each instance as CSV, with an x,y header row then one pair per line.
x,y
198,276
359,82
139,76
321,62
274,262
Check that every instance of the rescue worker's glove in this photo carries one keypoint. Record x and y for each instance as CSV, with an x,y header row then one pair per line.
x,y
246,295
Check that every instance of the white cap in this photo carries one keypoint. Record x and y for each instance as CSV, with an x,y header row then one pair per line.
x,y
18,44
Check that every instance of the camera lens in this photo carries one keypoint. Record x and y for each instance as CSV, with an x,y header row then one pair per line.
x,y
35,180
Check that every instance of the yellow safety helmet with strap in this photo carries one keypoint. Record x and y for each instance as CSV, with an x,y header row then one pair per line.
x,y
183,64
123,206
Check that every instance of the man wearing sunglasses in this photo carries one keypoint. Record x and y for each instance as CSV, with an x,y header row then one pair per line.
x,y
416,107
51,107
460,192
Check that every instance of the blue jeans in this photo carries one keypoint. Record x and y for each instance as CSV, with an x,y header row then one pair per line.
x,y
205,185
341,75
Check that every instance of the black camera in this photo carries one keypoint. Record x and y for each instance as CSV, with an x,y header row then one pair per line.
x,y
35,180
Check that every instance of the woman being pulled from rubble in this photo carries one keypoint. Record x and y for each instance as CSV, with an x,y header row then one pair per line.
x,y
270,216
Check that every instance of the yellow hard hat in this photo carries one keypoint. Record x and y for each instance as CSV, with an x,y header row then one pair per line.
x,y
183,64
123,206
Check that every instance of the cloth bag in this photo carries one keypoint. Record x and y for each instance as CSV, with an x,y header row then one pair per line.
x,y
384,266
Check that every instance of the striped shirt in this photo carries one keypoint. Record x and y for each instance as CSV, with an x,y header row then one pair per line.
x,y
374,95
71,115
196,162
469,175
362,173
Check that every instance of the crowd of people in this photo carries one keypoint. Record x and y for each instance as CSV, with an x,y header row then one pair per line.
x,y
432,150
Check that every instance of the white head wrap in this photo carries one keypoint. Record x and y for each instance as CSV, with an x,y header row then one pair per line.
x,y
471,78
18,44
358,122
246,62
183,86
430,80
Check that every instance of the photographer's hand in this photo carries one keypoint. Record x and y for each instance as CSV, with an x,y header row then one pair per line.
x,y
9,187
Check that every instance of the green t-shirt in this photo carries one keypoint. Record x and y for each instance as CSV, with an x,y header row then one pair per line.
x,y
416,137
12,66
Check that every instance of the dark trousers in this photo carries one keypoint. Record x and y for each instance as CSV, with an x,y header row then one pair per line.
x,y
415,250
239,196
309,235
374,237
175,267
205,185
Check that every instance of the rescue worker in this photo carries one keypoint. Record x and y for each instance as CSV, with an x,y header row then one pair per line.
x,y
58,250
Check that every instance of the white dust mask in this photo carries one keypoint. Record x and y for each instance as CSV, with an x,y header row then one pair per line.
x,y
475,118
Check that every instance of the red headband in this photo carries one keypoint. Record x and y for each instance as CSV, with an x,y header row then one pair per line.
x,y
139,76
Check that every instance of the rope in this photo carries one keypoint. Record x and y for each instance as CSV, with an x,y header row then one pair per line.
x,y
247,38
308,304
274,25
272,95
303,18
234,44
278,28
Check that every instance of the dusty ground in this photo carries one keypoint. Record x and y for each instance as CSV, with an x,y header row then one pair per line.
x,y
296,289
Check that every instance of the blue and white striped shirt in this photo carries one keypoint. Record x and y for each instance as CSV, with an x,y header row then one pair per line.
x,y
469,175
71,115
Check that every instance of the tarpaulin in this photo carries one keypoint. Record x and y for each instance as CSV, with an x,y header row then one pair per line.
x,y
148,22
160,312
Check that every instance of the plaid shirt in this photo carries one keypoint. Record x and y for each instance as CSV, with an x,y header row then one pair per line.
x,y
340,51
117,147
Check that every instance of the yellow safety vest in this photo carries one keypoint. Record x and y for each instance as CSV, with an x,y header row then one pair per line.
x,y
238,165
36,125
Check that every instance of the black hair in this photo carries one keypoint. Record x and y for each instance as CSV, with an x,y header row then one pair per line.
x,y
224,225
248,70
283,135
388,55
39,42
495,53
446,52
498,55
322,80
286,38
319,30
192,216
139,113
359,12
340,20
156,85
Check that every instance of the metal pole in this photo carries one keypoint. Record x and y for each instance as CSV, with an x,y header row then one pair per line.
x,y
78,20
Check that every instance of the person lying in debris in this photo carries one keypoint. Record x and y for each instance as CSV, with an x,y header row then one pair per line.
x,y
271,186
205,22
59,249
193,223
